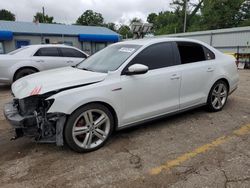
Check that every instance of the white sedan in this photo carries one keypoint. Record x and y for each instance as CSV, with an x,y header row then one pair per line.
x,y
35,58
123,85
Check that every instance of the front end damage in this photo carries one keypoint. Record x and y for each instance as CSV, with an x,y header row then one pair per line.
x,y
29,117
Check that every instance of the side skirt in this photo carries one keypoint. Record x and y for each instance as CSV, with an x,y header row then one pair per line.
x,y
159,117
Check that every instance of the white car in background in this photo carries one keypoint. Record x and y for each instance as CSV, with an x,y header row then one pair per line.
x,y
123,85
35,58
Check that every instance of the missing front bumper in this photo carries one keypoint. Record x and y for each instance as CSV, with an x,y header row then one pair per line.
x,y
36,126
16,120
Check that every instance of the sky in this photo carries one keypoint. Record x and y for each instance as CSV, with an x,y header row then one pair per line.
x,y
67,11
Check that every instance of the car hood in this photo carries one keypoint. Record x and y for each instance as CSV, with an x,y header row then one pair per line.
x,y
54,80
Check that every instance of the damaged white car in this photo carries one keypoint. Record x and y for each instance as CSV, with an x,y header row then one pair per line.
x,y
123,85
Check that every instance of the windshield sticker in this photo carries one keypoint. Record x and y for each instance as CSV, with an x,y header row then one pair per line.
x,y
127,50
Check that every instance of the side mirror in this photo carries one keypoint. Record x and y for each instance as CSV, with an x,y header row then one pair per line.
x,y
137,69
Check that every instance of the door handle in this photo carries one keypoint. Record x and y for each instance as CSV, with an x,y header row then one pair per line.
x,y
40,61
210,69
175,77
70,61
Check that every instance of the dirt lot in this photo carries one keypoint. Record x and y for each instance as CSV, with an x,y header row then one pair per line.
x,y
193,149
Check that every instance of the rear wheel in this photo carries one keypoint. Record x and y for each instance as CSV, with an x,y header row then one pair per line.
x,y
24,72
88,128
218,96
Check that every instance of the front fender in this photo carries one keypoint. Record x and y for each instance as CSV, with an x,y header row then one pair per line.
x,y
68,101
68,106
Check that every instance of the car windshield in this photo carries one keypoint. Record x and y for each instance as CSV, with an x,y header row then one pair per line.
x,y
109,59
19,50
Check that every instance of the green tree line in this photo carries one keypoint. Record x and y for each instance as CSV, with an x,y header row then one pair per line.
x,y
201,15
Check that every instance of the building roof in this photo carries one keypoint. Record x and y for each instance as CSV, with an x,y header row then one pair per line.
x,y
219,31
52,29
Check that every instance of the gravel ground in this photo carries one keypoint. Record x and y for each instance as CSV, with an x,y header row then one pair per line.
x,y
130,155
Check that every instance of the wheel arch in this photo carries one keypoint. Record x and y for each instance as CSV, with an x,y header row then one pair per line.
x,y
220,79
21,68
110,108
226,81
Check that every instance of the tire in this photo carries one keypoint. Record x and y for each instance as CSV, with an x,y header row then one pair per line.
x,y
217,97
83,133
23,72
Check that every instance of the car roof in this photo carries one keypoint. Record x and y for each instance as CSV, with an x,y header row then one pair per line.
x,y
50,45
148,41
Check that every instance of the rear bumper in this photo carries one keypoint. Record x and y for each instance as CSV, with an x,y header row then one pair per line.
x,y
233,88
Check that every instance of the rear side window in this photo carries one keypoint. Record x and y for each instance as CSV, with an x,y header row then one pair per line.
x,y
191,52
70,52
208,53
48,51
156,56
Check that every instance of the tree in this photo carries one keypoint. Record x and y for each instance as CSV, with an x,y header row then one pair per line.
x,y
43,19
244,13
164,23
91,18
181,6
111,26
135,20
152,18
125,31
201,15
217,14
195,24
172,21
7,15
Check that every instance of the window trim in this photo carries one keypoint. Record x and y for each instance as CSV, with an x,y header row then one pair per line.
x,y
203,47
175,55
34,55
61,53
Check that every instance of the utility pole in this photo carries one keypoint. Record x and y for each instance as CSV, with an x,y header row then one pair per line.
x,y
185,17
43,15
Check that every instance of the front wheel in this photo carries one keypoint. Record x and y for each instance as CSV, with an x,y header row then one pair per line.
x,y
88,128
217,96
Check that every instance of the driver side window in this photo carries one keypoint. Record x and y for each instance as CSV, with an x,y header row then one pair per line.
x,y
156,56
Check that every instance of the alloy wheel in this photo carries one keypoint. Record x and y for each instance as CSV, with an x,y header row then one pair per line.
x,y
219,96
91,129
